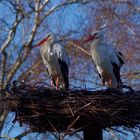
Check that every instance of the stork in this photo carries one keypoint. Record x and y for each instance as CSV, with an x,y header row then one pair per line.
x,y
56,60
107,60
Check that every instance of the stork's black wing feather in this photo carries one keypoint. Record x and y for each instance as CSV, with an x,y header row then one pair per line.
x,y
116,70
65,72
120,55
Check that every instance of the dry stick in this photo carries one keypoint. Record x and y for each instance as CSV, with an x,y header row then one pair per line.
x,y
77,46
82,107
11,126
70,126
53,127
114,135
79,129
117,131
71,110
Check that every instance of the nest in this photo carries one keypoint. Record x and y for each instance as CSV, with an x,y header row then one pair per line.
x,y
45,109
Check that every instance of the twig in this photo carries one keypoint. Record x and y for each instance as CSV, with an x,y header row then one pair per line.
x,y
71,110
53,127
82,107
70,126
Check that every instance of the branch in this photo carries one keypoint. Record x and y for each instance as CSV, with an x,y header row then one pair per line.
x,y
122,21
43,5
78,46
63,4
17,64
26,47
10,37
3,115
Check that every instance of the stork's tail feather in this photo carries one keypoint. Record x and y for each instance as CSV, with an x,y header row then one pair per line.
x,y
65,73
116,70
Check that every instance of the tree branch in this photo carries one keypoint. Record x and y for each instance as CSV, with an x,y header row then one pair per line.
x,y
26,47
10,37
78,46
63,4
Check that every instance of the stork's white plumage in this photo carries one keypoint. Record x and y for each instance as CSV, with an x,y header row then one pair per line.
x,y
106,59
56,60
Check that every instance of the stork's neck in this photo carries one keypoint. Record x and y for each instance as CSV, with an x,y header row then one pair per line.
x,y
48,44
97,43
45,47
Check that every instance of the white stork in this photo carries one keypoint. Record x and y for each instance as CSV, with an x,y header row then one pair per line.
x,y
107,60
56,60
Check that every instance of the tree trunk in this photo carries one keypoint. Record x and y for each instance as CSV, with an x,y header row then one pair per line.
x,y
93,133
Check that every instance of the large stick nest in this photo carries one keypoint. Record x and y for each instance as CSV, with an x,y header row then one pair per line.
x,y
46,109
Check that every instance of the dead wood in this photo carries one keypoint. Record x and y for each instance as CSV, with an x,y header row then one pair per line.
x,y
45,109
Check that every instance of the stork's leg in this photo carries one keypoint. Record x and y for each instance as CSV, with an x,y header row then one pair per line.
x,y
103,82
57,82
52,85
110,82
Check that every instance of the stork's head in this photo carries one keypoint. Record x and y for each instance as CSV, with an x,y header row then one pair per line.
x,y
95,35
48,38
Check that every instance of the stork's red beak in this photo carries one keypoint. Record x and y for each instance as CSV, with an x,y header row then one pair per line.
x,y
90,37
41,42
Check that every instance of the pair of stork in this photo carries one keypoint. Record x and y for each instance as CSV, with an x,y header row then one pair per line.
x,y
106,59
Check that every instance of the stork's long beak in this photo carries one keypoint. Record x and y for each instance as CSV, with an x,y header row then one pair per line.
x,y
41,42
90,37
